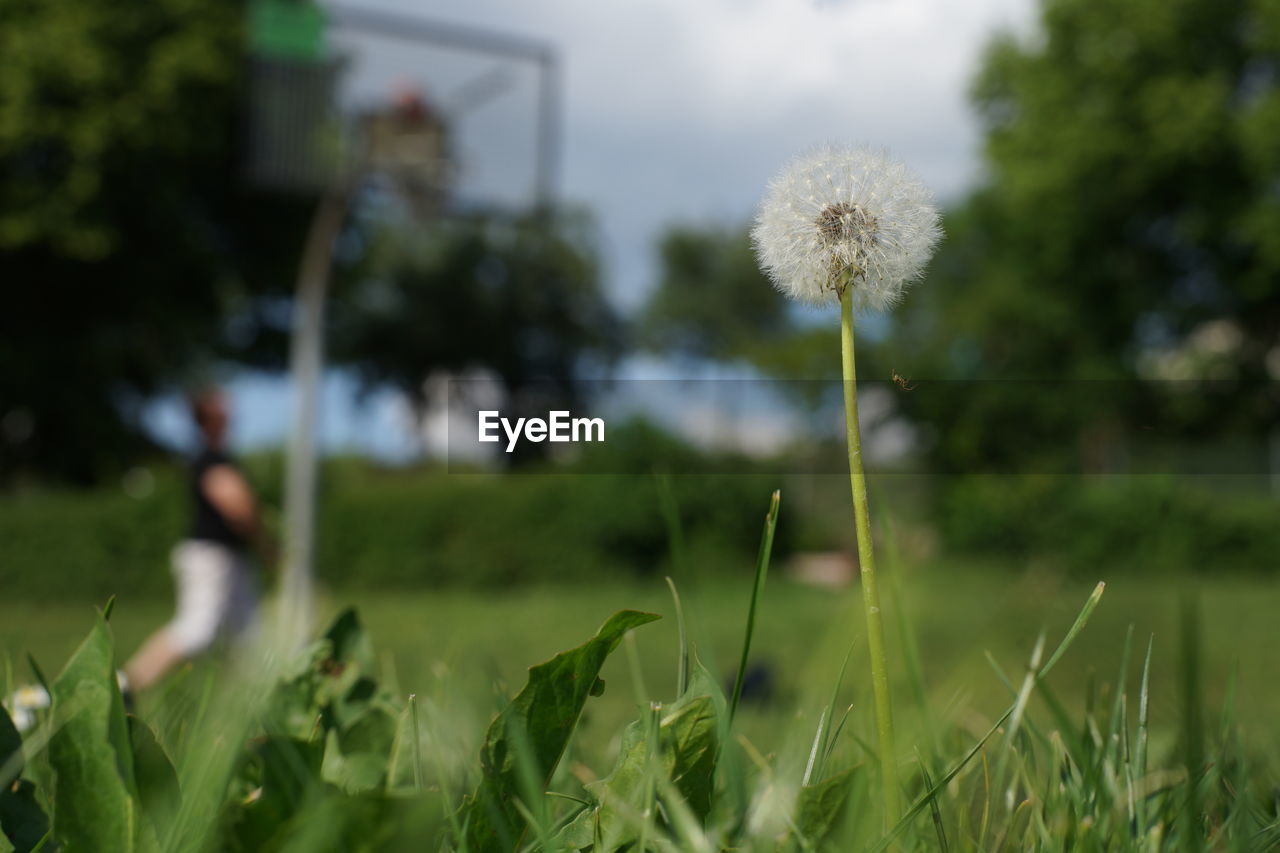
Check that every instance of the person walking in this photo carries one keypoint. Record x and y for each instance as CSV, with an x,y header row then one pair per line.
x,y
217,584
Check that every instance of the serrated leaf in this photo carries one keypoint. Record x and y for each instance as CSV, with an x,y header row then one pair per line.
x,y
534,729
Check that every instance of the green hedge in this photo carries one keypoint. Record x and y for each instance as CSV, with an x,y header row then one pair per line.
x,y
401,530
416,528
88,545
380,529
1087,524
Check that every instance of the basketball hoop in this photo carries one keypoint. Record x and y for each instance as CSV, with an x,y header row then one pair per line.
x,y
296,140
407,144
301,140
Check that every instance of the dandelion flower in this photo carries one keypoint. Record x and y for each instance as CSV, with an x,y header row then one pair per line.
x,y
853,226
24,703
32,697
845,217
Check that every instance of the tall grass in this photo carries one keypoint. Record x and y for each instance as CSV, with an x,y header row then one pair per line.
x,y
324,753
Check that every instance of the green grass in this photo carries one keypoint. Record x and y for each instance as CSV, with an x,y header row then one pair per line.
x,y
479,644
389,736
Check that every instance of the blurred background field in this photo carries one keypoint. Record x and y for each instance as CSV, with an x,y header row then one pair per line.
x,y
1085,386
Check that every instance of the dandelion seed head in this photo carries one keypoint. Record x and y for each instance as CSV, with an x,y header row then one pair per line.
x,y
31,697
845,217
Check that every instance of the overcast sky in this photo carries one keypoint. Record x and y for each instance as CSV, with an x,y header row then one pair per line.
x,y
680,110
672,111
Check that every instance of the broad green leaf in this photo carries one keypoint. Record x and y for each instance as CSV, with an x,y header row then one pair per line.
x,y
284,775
820,807
689,738
355,772
157,781
90,753
534,730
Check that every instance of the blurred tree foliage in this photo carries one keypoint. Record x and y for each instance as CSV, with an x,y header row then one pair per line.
x,y
126,236
517,296
1130,198
137,255
712,303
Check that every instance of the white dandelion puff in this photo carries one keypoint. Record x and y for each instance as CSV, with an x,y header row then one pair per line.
x,y
843,216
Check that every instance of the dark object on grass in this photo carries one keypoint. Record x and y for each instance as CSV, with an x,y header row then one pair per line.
x,y
758,687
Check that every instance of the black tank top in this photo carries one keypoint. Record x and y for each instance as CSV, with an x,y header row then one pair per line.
x,y
206,522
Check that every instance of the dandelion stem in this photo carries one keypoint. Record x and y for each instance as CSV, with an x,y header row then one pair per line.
x,y
867,568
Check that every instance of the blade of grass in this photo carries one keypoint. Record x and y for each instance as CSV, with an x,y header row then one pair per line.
x,y
1081,620
936,812
1024,693
1076,627
907,638
1117,721
417,743
762,570
824,740
813,750
1139,749
835,735
671,516
1192,721
637,672
682,668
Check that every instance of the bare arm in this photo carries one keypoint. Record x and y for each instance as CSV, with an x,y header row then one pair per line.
x,y
230,494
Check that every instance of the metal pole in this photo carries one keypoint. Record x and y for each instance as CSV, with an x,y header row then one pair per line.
x,y
306,366
548,125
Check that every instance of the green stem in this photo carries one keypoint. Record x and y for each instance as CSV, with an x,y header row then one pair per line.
x,y
867,567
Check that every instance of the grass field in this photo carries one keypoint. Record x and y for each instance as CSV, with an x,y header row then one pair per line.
x,y
465,651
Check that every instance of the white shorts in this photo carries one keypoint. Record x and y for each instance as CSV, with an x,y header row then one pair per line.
x,y
217,595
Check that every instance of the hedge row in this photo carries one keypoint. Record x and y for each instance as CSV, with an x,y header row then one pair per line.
x,y
392,529
395,529
1109,524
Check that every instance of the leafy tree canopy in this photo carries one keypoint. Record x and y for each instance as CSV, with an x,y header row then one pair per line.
x,y
1130,193
1129,199
516,295
126,234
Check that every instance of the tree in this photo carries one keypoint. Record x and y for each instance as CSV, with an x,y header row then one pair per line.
x,y
126,236
712,303
1129,198
516,294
